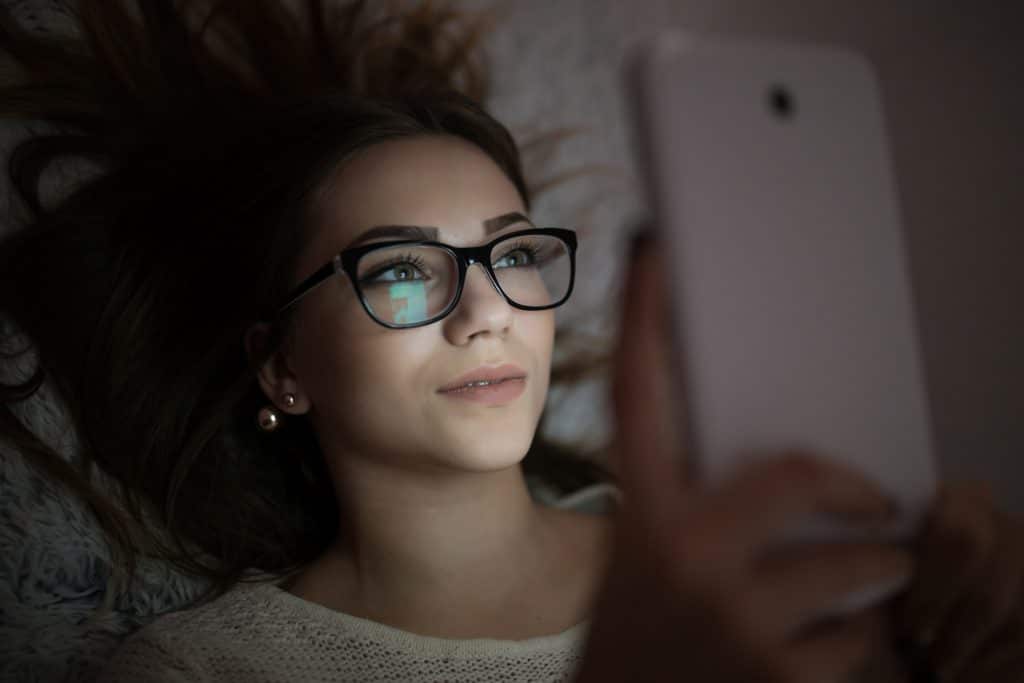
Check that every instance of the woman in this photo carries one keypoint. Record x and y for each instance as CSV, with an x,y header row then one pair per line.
x,y
309,237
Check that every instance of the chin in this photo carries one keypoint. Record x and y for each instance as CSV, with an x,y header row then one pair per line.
x,y
491,451
486,435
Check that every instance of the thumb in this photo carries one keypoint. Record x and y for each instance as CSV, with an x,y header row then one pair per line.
x,y
648,446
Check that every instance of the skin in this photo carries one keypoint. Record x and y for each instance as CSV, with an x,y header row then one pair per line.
x,y
440,534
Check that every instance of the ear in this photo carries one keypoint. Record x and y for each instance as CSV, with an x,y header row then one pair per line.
x,y
275,375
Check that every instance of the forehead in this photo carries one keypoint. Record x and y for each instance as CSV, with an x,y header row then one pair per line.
x,y
440,181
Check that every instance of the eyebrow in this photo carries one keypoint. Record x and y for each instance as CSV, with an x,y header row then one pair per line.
x,y
426,232
505,219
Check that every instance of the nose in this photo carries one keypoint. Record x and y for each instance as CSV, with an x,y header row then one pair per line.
x,y
481,309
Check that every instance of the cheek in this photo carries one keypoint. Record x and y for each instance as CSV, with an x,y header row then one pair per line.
x,y
364,380
539,332
385,366
367,377
536,329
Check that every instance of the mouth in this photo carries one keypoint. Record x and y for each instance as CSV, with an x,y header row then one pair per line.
x,y
485,377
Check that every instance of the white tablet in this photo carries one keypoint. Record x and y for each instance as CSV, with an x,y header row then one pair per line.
x,y
794,321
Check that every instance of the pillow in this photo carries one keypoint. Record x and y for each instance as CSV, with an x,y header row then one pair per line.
x,y
54,561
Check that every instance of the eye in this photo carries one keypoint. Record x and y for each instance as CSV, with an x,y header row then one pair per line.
x,y
520,256
401,269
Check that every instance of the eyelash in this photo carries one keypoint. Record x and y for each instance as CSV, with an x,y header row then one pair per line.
x,y
417,262
403,259
524,246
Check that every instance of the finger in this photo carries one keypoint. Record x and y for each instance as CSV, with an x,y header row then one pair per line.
x,y
1001,659
768,494
986,607
802,581
834,652
647,451
954,549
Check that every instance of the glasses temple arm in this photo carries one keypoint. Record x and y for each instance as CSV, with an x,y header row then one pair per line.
x,y
312,282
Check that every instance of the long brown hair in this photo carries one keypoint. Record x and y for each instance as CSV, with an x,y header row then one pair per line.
x,y
208,127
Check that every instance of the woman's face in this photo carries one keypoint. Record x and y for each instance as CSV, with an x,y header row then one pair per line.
x,y
371,391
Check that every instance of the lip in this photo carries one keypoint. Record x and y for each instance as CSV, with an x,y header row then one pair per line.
x,y
484,373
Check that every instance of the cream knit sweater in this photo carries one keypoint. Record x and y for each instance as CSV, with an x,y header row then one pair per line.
x,y
259,633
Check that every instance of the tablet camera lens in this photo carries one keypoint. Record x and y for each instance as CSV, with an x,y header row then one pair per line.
x,y
781,102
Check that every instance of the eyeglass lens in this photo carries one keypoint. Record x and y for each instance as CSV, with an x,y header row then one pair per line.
x,y
407,284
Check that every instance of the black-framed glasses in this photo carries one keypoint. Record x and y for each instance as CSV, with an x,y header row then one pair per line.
x,y
410,283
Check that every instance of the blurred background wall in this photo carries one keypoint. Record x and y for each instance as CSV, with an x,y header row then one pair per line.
x,y
952,78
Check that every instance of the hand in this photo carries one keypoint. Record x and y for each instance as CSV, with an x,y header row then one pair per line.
x,y
690,593
967,601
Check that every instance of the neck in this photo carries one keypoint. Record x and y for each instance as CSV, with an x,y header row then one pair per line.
x,y
415,544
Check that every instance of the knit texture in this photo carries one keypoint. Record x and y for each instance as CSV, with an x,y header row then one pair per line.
x,y
260,633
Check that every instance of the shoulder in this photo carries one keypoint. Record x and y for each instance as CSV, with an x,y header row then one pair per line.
x,y
171,647
150,656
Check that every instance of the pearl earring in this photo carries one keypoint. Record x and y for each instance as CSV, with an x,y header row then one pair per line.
x,y
268,418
